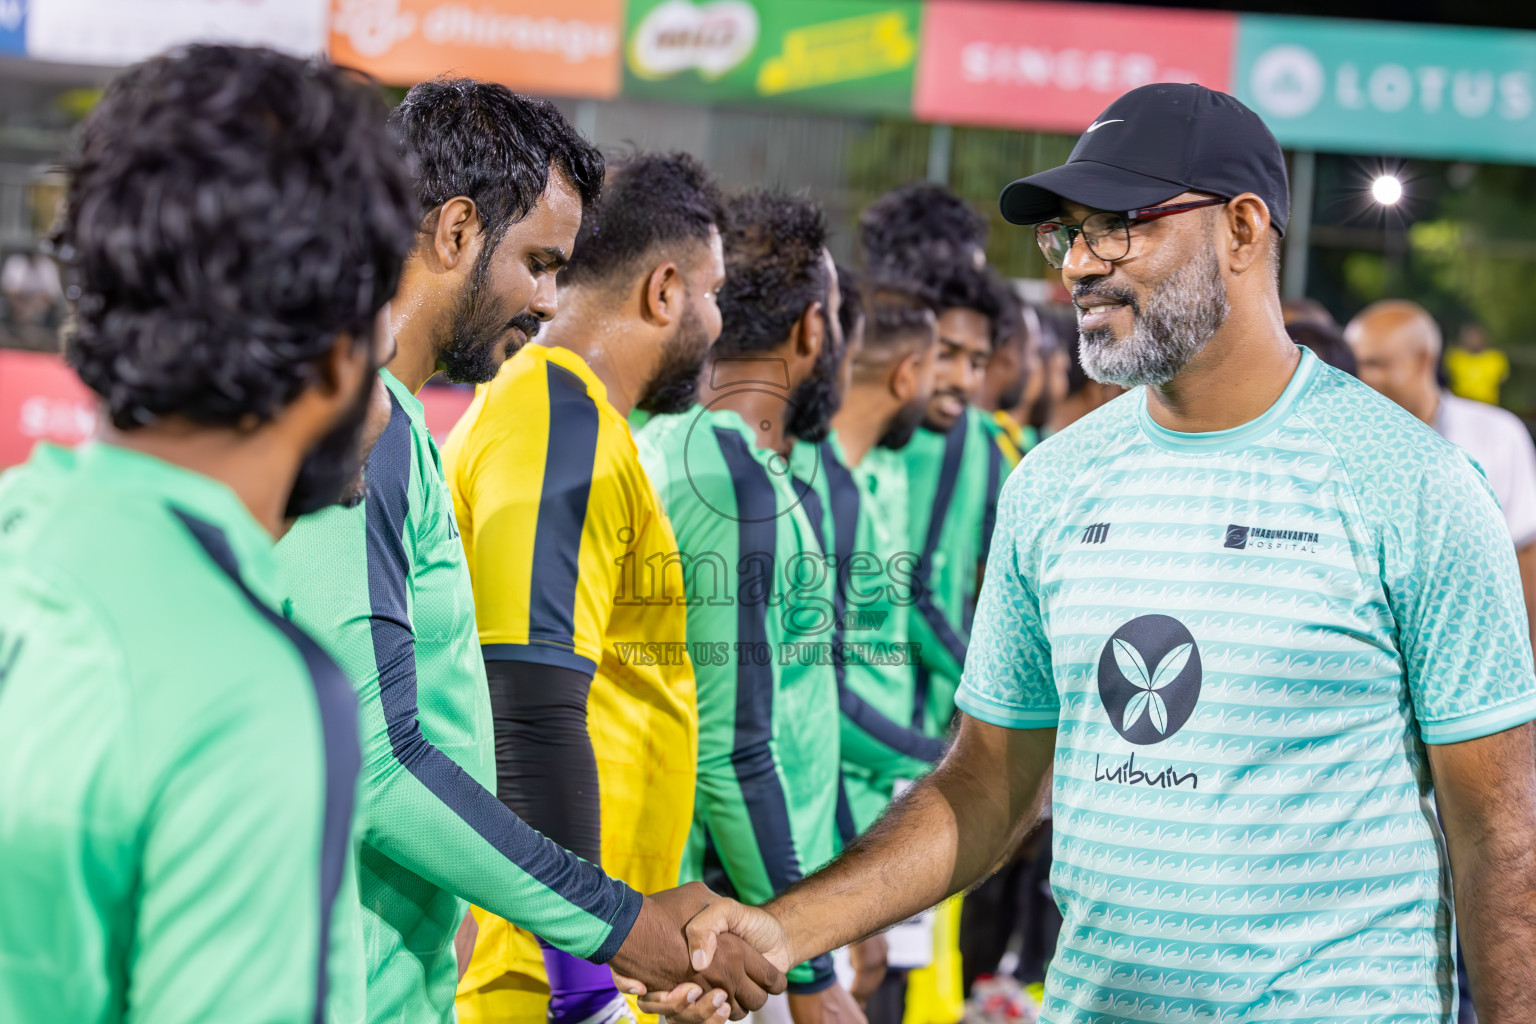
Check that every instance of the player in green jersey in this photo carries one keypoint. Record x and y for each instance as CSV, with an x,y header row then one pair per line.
x,y
861,519
179,761
760,597
502,182
1261,623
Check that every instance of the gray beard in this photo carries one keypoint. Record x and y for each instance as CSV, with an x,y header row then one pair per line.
x,y
1175,323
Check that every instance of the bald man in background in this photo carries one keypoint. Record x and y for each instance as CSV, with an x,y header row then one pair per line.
x,y
1397,344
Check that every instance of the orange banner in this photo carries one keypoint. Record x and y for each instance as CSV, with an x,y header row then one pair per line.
x,y
565,49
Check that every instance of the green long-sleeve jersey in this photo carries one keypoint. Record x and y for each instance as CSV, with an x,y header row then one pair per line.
x,y
178,761
861,519
953,481
760,617
386,587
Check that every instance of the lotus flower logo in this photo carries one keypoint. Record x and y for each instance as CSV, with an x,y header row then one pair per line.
x,y
1149,678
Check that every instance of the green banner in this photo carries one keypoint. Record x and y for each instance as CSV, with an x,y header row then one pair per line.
x,y
1379,87
855,56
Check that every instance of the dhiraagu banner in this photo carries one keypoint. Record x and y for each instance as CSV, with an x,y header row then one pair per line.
x,y
1379,87
851,56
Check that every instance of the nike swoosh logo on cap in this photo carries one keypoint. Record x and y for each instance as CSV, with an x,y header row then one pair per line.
x,y
1100,124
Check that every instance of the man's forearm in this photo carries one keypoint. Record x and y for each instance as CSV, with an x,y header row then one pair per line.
x,y
1487,794
943,835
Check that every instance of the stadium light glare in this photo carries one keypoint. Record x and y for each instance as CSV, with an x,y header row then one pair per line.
x,y
1387,189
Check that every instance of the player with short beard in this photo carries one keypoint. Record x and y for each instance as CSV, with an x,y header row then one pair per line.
x,y
574,568
760,599
502,182
862,521
1252,570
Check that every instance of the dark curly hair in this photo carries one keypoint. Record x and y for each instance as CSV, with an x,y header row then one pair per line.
x,y
649,201
900,319
485,142
850,310
966,286
774,269
911,228
230,212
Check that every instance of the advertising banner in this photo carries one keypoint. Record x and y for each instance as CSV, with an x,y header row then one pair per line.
x,y
126,31
41,399
1055,66
1377,87
13,28
565,49
855,56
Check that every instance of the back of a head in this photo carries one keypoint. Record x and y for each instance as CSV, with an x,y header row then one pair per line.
x,y
1308,311
898,322
230,212
1398,322
913,227
966,286
774,269
653,204
485,142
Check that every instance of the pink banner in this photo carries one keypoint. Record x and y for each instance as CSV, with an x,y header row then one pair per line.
x,y
41,399
1055,66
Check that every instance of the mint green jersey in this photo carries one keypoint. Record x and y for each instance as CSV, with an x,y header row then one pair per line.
x,y
179,761
760,619
953,480
861,519
386,587
1244,640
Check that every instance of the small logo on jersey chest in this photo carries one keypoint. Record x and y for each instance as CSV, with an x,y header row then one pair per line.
x,y
1243,538
1097,533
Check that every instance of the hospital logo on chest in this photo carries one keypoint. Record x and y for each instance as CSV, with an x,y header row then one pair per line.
x,y
1149,678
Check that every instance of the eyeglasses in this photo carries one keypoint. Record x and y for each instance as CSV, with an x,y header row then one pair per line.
x,y
1108,235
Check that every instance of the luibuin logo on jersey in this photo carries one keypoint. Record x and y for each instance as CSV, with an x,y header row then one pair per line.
x,y
1149,678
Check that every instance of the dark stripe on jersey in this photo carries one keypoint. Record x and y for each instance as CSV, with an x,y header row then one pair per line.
x,y
394,652
337,705
535,653
949,475
752,753
847,505
568,465
847,831
988,520
924,682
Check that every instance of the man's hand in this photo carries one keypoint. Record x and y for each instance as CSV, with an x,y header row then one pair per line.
x,y
655,955
832,1005
726,918
868,959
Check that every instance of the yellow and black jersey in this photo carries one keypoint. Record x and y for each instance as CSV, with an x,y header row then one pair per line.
x,y
574,563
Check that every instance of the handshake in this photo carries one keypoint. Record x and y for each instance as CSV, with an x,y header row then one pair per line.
x,y
695,957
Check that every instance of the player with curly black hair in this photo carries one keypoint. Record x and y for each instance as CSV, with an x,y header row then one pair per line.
x,y
565,538
911,230
180,761
503,183
760,599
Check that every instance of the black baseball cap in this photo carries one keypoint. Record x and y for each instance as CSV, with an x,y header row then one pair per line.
x,y
1152,144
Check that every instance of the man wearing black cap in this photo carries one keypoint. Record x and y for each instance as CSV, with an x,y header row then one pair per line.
x,y
1260,621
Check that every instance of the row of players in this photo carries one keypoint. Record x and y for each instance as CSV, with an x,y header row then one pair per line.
x,y
244,247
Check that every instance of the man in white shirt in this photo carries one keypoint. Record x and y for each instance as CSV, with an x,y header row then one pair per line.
x,y
1397,344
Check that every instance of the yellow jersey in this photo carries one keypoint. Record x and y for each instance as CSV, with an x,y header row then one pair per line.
x,y
1477,375
573,563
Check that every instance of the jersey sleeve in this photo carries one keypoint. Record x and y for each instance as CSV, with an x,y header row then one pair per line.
x,y
1454,589
240,867
1008,679
423,810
